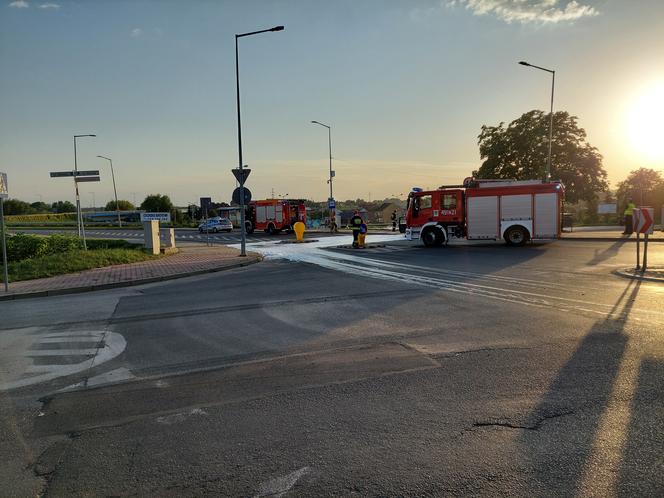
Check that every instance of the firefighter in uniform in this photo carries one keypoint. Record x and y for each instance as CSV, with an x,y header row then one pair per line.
x,y
356,224
629,211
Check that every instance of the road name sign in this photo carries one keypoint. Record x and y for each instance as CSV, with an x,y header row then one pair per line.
x,y
79,179
4,187
331,204
165,217
241,178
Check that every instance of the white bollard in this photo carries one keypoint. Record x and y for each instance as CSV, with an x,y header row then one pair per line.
x,y
171,238
151,233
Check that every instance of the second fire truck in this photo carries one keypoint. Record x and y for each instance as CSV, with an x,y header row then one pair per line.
x,y
516,211
275,215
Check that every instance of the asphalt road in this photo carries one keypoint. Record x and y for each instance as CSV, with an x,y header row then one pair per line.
x,y
394,371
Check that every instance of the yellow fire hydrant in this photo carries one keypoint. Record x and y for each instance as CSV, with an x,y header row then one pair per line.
x,y
362,235
298,228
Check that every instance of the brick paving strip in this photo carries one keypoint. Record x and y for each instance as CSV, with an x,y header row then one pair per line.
x,y
190,260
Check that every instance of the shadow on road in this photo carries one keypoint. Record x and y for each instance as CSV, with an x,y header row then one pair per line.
x,y
608,253
582,389
642,467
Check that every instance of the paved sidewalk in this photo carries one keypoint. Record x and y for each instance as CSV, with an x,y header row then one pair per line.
x,y
193,259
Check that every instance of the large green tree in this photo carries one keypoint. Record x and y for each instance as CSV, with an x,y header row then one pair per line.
x,y
157,203
644,186
520,150
63,207
124,205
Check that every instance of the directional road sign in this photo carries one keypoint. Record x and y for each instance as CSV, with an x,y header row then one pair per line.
x,y
60,174
645,220
79,179
241,178
4,188
236,196
331,204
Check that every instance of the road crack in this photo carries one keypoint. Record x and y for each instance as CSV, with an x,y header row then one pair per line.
x,y
535,425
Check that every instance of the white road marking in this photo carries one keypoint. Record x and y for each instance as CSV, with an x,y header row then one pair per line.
x,y
17,358
279,486
61,352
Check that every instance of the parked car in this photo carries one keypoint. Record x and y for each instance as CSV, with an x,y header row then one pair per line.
x,y
216,225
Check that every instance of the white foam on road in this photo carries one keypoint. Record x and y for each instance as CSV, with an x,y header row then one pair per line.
x,y
274,249
279,486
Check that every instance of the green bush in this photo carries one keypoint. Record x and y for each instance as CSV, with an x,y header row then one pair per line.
x,y
22,246
62,243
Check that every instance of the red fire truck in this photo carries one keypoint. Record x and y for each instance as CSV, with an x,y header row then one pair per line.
x,y
275,215
516,211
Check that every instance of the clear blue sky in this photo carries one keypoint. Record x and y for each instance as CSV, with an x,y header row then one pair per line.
x,y
406,86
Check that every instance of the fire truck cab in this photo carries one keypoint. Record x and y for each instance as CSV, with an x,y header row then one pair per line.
x,y
516,211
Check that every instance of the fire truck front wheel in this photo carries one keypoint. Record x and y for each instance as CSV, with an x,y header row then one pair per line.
x,y
249,227
516,236
433,237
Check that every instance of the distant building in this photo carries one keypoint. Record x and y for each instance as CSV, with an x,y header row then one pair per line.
x,y
384,212
348,214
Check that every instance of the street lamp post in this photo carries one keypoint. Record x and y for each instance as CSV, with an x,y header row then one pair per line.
x,y
553,84
115,192
79,215
239,133
329,142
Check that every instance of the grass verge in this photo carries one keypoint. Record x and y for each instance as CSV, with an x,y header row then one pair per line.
x,y
73,261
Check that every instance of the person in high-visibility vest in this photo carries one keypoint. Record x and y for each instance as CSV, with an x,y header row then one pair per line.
x,y
629,211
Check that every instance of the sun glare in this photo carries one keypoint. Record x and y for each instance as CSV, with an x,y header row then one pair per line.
x,y
645,123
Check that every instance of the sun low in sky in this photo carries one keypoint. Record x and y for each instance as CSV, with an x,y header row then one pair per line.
x,y
406,86
645,123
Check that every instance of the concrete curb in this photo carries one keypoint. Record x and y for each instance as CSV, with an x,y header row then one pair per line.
x,y
636,275
130,283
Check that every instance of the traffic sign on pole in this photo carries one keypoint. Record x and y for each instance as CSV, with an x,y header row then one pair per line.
x,y
645,220
79,179
241,177
4,188
236,196
4,193
60,174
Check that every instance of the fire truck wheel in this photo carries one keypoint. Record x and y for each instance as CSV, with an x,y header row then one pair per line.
x,y
432,237
249,227
516,236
